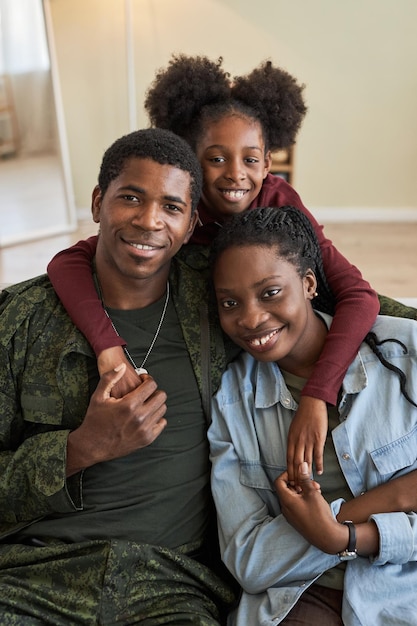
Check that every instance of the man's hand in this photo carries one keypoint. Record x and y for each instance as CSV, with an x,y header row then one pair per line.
x,y
115,427
108,360
306,437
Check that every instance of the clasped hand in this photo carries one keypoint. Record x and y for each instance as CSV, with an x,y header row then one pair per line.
x,y
115,427
308,512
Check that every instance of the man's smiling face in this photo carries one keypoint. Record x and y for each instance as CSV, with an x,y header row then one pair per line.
x,y
145,218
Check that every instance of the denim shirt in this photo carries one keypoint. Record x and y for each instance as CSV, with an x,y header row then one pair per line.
x,y
375,441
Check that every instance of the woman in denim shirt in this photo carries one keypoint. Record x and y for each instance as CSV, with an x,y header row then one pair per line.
x,y
289,546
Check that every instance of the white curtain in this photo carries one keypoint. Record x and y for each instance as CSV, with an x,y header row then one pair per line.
x,y
24,59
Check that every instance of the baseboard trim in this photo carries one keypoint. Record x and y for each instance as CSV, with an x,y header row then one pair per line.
x,y
365,214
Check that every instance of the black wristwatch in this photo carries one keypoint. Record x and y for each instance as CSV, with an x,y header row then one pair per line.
x,y
350,553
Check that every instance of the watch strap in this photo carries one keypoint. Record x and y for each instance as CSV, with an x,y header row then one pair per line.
x,y
352,535
350,552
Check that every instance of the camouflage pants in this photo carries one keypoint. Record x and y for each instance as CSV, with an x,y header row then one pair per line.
x,y
106,583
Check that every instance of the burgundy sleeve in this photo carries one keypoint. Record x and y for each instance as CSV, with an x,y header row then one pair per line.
x,y
357,305
71,276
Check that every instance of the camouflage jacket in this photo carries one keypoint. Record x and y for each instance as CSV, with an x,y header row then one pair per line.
x,y
44,389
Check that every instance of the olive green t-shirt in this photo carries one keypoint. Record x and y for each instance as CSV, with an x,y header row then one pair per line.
x,y
158,494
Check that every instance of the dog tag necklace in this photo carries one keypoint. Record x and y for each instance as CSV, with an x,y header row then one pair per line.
x,y
141,370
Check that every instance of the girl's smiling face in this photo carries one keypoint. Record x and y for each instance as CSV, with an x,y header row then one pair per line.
x,y
265,307
232,155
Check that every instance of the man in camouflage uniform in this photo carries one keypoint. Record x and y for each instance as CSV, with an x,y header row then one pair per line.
x,y
105,505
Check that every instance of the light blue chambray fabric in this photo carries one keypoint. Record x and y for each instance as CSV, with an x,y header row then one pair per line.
x,y
375,441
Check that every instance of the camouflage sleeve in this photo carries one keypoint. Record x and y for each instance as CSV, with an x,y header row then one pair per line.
x,y
389,306
32,446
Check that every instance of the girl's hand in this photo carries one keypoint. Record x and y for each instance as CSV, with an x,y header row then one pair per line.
x,y
306,437
111,358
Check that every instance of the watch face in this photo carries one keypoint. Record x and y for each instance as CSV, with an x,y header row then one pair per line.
x,y
347,556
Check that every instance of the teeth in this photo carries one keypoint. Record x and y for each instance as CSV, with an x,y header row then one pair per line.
x,y
236,194
140,246
263,340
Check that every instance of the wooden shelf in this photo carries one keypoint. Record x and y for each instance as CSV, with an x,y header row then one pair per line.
x,y
283,164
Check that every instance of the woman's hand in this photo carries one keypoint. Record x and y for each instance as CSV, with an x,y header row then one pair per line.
x,y
398,494
308,512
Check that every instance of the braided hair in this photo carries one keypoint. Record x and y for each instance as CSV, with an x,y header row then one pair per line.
x,y
292,232
193,92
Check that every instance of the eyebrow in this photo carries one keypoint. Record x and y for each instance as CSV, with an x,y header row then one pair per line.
x,y
175,199
220,146
140,190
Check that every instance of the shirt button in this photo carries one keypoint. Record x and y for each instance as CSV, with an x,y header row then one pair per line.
x,y
346,456
287,401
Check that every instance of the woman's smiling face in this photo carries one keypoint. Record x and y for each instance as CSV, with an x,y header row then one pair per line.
x,y
265,306
232,155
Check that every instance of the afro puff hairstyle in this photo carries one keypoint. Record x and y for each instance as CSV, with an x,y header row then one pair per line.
x,y
192,92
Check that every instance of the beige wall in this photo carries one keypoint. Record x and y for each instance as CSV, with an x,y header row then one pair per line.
x,y
357,149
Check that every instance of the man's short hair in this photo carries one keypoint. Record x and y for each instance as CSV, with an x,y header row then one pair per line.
x,y
157,144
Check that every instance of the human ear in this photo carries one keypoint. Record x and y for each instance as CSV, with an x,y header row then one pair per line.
x,y
267,163
193,222
310,284
96,204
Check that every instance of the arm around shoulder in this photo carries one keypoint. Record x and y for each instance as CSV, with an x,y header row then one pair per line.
x,y
70,272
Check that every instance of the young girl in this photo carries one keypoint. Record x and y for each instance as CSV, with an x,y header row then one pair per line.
x,y
233,125
344,549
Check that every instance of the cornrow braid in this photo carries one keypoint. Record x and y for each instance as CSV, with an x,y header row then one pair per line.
x,y
286,227
373,342
192,92
292,233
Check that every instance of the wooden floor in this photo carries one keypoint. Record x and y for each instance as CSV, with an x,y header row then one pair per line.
x,y
386,253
